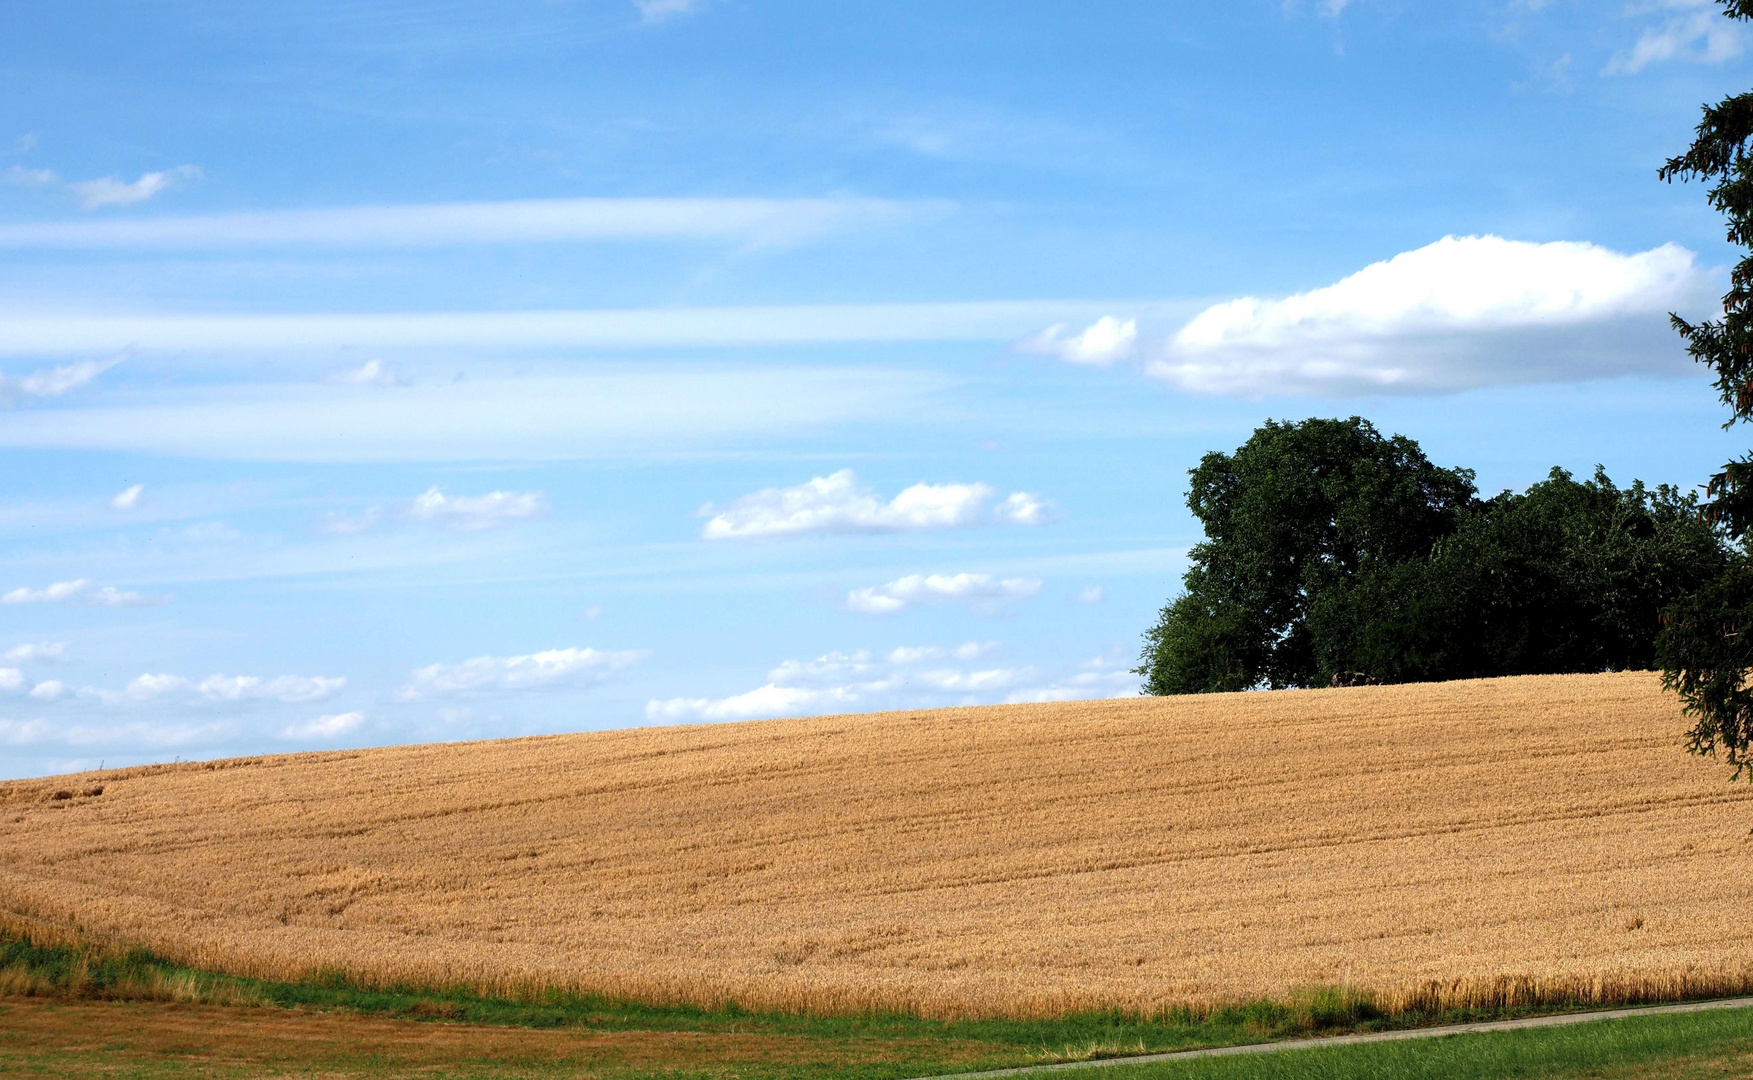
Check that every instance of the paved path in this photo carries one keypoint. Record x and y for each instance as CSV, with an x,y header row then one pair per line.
x,y
1557,1020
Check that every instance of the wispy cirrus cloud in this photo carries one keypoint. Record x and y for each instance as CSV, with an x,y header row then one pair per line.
x,y
838,503
982,591
288,689
544,670
761,221
80,591
57,381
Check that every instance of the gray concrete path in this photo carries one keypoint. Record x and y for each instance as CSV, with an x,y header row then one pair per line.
x,y
1556,1020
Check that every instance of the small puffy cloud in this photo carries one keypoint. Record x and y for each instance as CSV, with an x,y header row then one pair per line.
x,y
1462,312
49,690
108,191
128,497
536,671
471,513
1696,33
370,373
1022,508
325,727
1106,341
11,680
56,381
838,503
1089,595
36,653
656,11
981,590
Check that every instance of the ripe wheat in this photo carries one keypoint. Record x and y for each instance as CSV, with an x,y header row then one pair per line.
x,y
1471,843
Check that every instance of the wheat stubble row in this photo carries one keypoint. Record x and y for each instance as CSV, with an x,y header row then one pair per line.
x,y
1447,843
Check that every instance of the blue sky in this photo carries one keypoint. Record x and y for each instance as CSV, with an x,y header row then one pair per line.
x,y
469,370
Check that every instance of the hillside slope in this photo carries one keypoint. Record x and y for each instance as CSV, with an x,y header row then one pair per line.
x,y
1537,837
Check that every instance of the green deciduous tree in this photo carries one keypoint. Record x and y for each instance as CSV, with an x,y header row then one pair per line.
x,y
1705,651
1297,509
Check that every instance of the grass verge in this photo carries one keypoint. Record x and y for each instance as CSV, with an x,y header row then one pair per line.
x,y
64,994
1672,1046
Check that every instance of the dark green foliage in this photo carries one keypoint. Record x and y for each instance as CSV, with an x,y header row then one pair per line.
x,y
1389,567
1295,510
1703,651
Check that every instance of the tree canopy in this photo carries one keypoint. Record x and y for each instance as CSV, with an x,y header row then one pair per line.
x,y
1334,552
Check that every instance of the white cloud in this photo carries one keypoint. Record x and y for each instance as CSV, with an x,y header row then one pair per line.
x,y
325,727
225,689
108,191
370,373
110,596
1023,508
1462,312
1106,341
984,591
837,503
760,703
471,513
11,679
24,177
906,677
56,381
287,688
656,11
49,690
916,654
1089,595
59,591
529,221
36,653
128,497
1699,34
536,671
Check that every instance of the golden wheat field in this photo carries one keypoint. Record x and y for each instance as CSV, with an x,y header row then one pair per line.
x,y
1473,842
